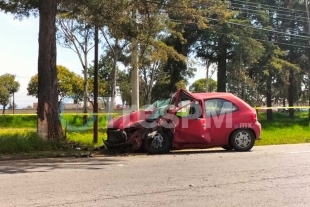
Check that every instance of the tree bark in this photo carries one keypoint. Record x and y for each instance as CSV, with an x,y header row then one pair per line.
x,y
114,74
208,63
49,126
291,94
85,84
268,96
222,65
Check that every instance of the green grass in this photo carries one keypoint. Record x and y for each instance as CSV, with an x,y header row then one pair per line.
x,y
283,130
18,134
18,121
26,141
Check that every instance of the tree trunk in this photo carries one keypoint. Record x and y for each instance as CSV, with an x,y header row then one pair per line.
x,y
3,110
291,94
114,74
150,87
268,96
13,103
49,126
85,118
208,63
222,65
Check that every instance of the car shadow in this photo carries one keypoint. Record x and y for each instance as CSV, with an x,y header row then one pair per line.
x,y
51,164
202,151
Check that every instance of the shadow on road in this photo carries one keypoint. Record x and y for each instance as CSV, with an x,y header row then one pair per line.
x,y
202,151
50,164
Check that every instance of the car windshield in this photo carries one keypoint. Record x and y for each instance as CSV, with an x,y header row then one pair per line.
x,y
160,105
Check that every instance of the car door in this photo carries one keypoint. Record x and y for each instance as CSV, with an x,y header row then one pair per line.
x,y
190,121
219,119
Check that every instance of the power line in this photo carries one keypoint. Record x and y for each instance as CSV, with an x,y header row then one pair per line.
x,y
267,30
300,46
249,26
278,15
266,5
282,37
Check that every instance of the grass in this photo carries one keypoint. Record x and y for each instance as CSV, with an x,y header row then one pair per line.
x,y
26,141
18,134
283,130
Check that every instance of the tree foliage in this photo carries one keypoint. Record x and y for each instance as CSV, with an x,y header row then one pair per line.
x,y
8,86
69,84
199,86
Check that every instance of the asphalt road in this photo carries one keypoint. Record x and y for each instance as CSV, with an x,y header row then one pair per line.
x,y
266,176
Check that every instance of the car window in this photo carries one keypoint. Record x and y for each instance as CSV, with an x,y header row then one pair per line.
x,y
191,110
214,107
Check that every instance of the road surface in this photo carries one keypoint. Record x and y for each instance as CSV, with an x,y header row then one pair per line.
x,y
266,176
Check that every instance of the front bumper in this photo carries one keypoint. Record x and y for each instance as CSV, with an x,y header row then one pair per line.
x,y
116,137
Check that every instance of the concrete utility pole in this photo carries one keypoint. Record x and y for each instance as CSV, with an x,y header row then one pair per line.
x,y
134,72
95,110
134,77
307,9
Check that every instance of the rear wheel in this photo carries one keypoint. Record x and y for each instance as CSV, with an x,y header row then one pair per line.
x,y
159,143
242,140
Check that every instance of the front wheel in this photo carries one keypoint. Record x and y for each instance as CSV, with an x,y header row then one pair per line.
x,y
242,140
228,147
159,143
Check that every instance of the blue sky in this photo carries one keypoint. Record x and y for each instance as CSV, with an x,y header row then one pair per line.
x,y
19,54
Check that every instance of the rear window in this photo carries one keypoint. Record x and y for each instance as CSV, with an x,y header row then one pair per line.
x,y
217,106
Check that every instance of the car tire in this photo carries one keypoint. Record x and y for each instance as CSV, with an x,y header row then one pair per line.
x,y
242,140
228,147
158,144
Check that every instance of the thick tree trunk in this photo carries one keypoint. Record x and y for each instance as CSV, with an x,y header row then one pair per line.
x,y
222,65
49,126
268,95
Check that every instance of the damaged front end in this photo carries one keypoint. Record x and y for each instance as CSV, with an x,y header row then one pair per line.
x,y
129,131
125,138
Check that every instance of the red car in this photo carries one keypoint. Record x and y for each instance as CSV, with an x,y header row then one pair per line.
x,y
186,121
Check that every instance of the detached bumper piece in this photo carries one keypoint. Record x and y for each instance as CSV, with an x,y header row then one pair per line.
x,y
116,138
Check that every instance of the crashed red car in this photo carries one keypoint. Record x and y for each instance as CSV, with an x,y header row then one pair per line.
x,y
187,121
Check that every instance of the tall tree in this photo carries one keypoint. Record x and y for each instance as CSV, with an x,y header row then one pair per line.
x,y
49,126
76,32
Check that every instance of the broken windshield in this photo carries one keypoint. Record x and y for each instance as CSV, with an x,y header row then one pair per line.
x,y
160,106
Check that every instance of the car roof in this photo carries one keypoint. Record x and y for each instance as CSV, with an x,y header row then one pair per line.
x,y
213,95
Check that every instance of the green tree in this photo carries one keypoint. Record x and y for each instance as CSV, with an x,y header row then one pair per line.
x,y
4,97
199,86
7,81
69,84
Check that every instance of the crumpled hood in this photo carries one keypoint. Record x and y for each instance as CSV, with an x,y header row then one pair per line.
x,y
128,120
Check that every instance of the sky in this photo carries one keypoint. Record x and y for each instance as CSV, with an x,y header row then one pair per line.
x,y
19,55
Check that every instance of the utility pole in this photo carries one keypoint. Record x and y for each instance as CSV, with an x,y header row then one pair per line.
x,y
134,73
307,8
95,110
